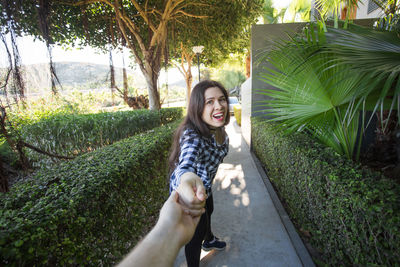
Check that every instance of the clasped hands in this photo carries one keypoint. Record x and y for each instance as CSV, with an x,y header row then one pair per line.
x,y
183,209
175,227
192,194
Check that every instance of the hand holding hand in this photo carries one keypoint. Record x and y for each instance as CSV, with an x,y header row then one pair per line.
x,y
174,228
173,216
192,194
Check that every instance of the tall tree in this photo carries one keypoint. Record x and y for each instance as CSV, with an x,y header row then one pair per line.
x,y
185,67
143,26
224,29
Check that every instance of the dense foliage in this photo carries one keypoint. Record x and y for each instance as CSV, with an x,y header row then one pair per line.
x,y
224,29
78,133
88,211
350,214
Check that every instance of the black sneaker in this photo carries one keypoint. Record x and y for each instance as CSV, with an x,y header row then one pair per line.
x,y
213,244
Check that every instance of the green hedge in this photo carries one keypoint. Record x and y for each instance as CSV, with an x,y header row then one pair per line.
x,y
353,215
88,211
168,115
73,134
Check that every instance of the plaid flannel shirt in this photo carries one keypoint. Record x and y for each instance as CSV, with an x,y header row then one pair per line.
x,y
199,155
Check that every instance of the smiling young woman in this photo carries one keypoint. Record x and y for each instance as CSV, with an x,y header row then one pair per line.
x,y
200,145
215,109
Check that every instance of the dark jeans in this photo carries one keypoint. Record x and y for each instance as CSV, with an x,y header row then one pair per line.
x,y
203,232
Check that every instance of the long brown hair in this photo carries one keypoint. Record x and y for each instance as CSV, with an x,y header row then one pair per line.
x,y
193,118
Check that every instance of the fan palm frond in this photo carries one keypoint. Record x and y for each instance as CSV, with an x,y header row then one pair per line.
x,y
320,92
376,55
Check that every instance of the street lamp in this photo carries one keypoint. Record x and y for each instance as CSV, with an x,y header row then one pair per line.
x,y
197,50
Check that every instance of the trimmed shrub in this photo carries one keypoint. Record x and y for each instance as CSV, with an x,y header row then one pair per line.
x,y
237,111
74,134
352,214
88,211
168,115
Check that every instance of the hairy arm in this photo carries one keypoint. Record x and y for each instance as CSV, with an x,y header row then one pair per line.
x,y
175,227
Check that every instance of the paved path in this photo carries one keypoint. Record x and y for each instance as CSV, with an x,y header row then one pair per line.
x,y
245,216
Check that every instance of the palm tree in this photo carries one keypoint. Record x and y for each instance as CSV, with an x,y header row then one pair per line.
x,y
297,8
301,9
325,80
326,77
333,7
270,14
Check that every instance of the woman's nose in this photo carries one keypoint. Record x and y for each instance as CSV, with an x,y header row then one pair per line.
x,y
217,104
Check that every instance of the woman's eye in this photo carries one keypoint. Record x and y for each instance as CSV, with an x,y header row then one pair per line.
x,y
209,102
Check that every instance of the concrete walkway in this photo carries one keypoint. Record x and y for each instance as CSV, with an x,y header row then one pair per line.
x,y
246,218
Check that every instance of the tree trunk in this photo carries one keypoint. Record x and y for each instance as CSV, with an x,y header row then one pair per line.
x,y
125,77
187,73
14,145
189,80
154,96
149,57
248,65
3,179
112,78
150,67
151,70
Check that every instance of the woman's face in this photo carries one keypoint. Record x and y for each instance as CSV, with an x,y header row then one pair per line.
x,y
215,107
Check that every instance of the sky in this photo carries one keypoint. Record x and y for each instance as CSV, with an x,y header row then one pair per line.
x,y
34,52
278,4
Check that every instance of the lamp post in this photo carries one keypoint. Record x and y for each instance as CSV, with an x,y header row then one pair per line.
x,y
197,50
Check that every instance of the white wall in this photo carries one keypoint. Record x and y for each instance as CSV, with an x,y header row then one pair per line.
x,y
362,11
245,92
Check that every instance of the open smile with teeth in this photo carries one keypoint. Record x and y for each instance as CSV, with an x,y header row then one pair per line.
x,y
219,116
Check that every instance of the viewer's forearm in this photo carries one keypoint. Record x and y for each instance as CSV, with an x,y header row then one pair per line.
x,y
159,248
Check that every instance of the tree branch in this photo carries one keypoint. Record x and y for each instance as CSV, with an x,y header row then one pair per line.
x,y
130,44
143,15
132,28
6,80
119,90
42,151
185,55
85,2
180,22
157,38
177,2
190,15
178,67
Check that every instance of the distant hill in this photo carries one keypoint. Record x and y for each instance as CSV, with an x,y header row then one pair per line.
x,y
74,75
88,76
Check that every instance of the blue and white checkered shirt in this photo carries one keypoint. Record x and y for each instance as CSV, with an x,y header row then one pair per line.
x,y
199,155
